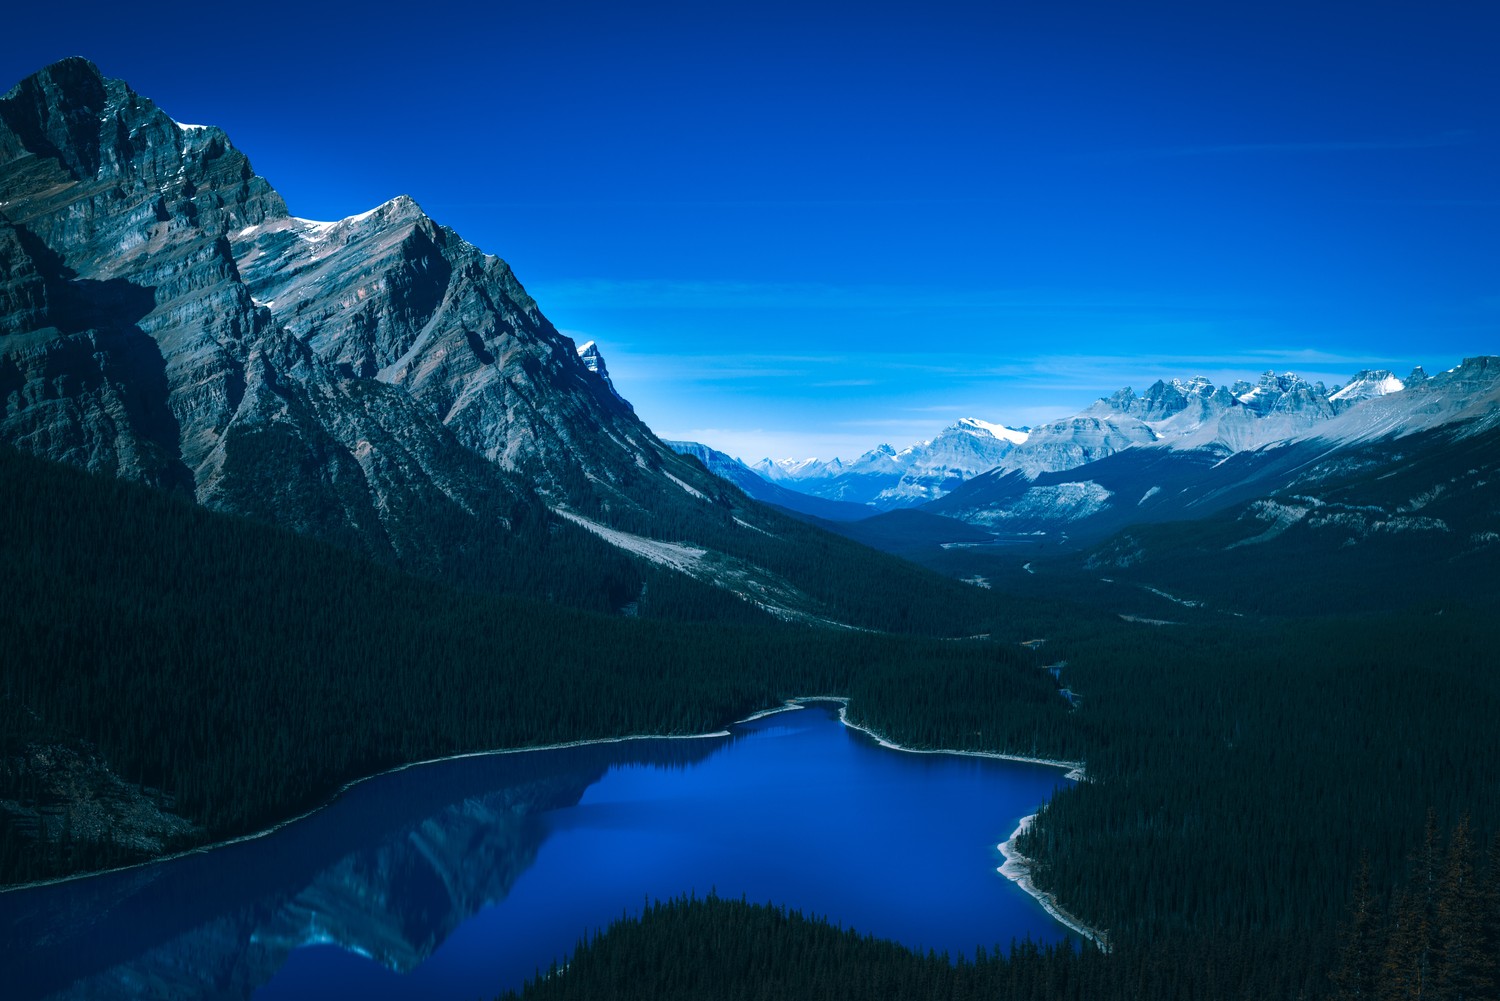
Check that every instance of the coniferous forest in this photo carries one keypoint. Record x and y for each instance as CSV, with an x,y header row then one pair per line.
x,y
1276,807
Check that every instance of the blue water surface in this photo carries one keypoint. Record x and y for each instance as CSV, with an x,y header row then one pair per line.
x,y
462,878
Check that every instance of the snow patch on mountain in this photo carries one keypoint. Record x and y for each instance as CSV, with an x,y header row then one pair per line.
x,y
1469,391
1367,384
593,360
1002,431
783,470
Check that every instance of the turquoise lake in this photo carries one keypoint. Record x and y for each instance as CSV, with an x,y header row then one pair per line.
x,y
461,878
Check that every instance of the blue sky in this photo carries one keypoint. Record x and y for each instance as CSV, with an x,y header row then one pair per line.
x,y
803,229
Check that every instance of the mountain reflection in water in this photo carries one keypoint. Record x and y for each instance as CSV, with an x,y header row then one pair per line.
x,y
463,877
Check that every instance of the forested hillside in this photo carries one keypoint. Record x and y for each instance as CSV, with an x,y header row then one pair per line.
x,y
1239,768
244,673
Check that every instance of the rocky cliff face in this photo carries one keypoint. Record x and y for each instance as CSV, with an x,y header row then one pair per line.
x,y
164,318
133,363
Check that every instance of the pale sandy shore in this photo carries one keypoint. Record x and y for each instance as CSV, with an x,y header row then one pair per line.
x,y
1017,868
1075,768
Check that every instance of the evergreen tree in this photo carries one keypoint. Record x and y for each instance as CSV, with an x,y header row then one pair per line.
x,y
1465,970
1405,974
1354,978
1490,894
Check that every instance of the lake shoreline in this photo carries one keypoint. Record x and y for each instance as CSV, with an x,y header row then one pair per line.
x,y
334,796
1046,900
1017,867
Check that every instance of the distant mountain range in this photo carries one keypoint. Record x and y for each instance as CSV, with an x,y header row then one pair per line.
x,y
1178,416
1250,474
1183,449
884,478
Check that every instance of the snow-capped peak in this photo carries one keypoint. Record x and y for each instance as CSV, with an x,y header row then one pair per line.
x,y
1367,384
1013,435
777,470
1270,383
1196,386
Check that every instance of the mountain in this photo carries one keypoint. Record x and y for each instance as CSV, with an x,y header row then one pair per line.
x,y
1367,383
1370,526
1387,502
932,468
1181,450
593,360
755,485
887,479
782,470
375,381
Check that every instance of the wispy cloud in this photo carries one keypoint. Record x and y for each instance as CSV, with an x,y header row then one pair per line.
x,y
1454,138
688,294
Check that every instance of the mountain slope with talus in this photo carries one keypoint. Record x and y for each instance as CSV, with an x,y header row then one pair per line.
x,y
375,381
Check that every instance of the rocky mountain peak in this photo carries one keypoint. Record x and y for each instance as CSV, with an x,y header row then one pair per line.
x,y
1367,383
1196,386
593,360
60,107
1160,401
1481,365
1285,393
376,381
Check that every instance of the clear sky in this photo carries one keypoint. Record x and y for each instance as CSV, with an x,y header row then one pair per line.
x,y
806,228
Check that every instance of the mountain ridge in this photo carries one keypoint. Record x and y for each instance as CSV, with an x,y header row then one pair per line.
x,y
376,381
1176,415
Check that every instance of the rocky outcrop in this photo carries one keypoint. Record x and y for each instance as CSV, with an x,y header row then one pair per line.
x,y
593,360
